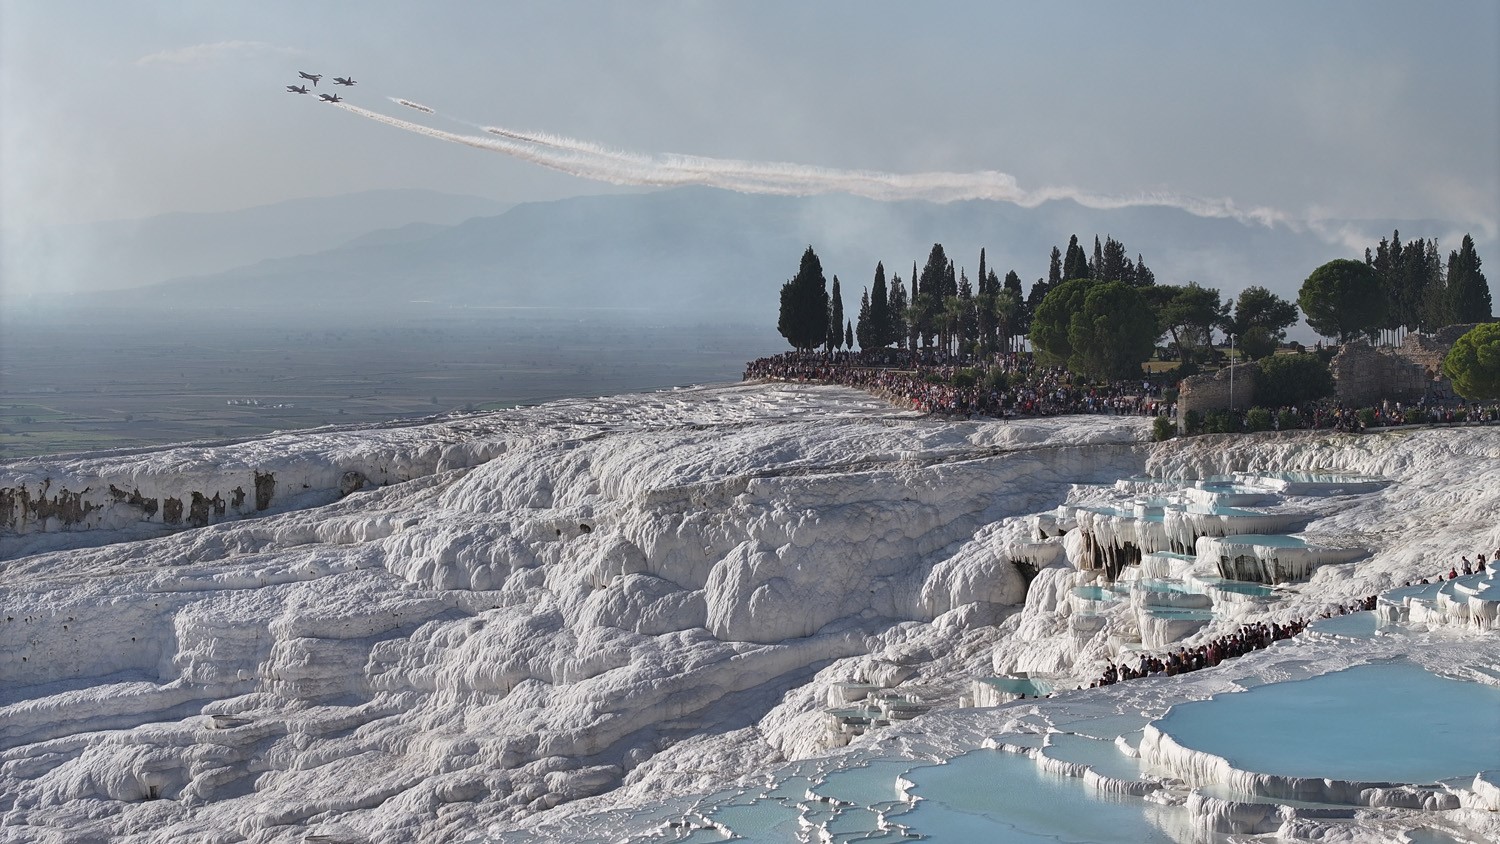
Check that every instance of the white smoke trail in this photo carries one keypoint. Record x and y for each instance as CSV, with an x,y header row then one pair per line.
x,y
410,104
593,161
571,144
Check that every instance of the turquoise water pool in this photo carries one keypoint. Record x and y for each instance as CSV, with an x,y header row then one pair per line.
x,y
1029,686
1392,722
988,795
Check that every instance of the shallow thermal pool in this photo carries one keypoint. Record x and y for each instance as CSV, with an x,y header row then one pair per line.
x,y
1388,722
990,795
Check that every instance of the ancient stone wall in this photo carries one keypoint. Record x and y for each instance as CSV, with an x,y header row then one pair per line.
x,y
1367,375
1212,391
1364,375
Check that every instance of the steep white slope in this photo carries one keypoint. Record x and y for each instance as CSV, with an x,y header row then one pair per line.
x,y
1440,505
606,602
558,596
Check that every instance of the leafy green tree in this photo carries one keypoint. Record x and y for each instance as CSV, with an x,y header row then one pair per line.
x,y
803,319
1468,291
1292,380
1258,308
1113,334
1256,343
1473,363
1053,316
1343,299
1188,313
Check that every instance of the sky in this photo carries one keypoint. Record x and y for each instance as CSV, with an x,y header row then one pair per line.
x,y
1310,111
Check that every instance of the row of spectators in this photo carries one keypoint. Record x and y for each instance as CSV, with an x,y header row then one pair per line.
x,y
1009,384
1254,636
1250,637
1014,384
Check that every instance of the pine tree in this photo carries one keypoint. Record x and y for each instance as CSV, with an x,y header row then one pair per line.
x,y
1020,319
931,290
899,302
967,329
1143,275
1110,262
1468,291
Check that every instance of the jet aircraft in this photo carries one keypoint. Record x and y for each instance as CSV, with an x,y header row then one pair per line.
x,y
313,76
330,98
296,89
343,80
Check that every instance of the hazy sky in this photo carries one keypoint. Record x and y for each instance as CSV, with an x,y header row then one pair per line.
x,y
1331,109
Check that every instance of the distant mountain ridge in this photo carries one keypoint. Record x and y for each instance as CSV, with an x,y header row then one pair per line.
x,y
699,249
133,253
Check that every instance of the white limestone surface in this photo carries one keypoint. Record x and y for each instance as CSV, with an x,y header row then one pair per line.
x,y
557,618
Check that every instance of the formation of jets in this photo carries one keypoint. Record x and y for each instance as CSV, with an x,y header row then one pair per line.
x,y
314,77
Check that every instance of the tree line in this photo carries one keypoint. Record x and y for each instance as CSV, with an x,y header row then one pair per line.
x,y
1102,314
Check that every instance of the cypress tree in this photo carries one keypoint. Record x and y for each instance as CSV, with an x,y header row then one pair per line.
x,y
849,335
835,318
1075,263
1096,263
865,326
882,327
1054,270
803,319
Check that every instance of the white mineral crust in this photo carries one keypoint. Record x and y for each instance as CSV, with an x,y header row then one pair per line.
x,y
526,617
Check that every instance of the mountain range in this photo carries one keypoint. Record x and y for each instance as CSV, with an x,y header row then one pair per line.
x,y
700,250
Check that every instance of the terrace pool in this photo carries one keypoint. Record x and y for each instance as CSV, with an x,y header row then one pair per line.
x,y
989,795
1388,722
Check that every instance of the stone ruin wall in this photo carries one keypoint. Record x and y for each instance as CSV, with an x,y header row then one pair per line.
x,y
1367,374
1364,374
1211,391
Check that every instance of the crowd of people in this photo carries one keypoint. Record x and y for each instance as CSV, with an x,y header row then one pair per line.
x,y
1337,417
1004,385
1252,637
1014,384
